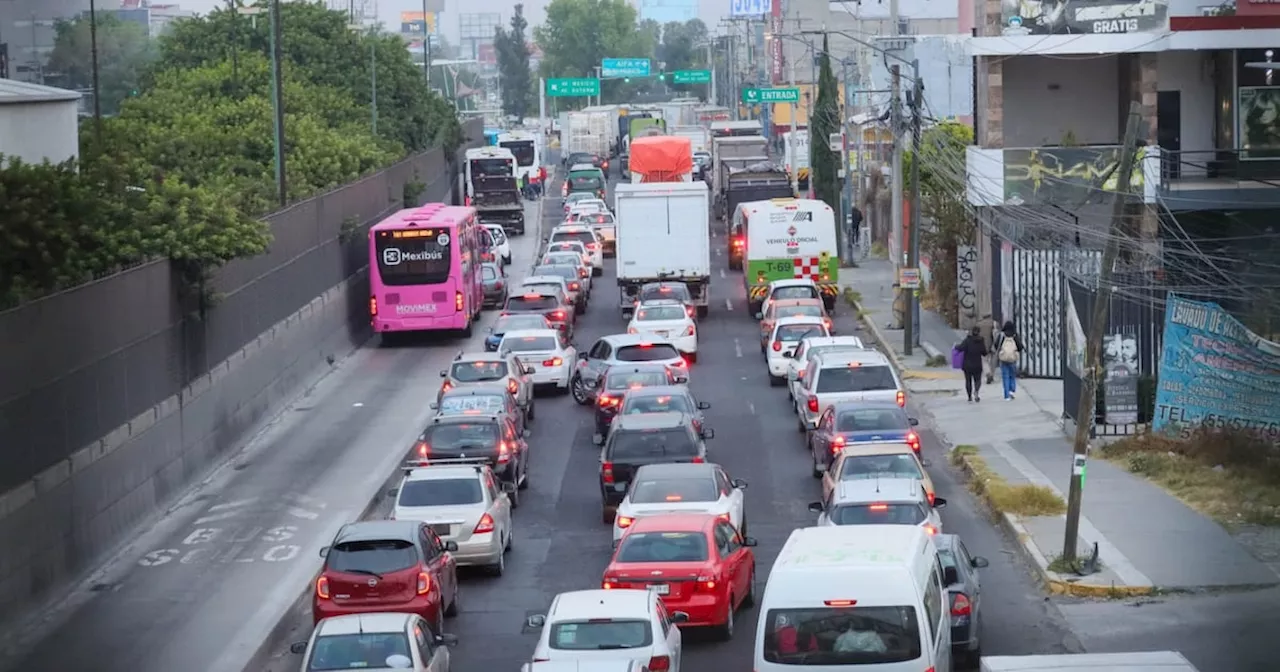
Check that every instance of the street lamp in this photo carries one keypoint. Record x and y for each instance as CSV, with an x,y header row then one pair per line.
x,y
373,75
277,89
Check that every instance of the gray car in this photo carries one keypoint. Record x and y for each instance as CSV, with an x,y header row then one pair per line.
x,y
960,574
664,399
480,400
623,349
495,284
578,297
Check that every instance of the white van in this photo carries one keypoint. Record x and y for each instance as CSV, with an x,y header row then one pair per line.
x,y
859,596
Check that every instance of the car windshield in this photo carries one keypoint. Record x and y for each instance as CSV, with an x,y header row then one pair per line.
x,y
677,292
798,292
375,556
632,379
651,403
532,303
499,236
544,288
660,313
450,439
478,372
530,344
833,636
656,352
792,333
358,651
487,404
441,492
600,634
513,322
869,419
659,490
856,379
651,443
585,182
866,467
663,547
802,310
573,247
903,513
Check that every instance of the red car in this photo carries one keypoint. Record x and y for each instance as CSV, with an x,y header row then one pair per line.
x,y
399,566
697,562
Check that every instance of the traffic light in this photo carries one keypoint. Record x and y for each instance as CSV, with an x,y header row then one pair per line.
x,y
626,79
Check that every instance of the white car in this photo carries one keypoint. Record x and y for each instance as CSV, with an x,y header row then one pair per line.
x,y
786,335
809,349
887,501
589,239
576,198
547,351
570,246
585,207
854,375
681,488
462,503
668,320
375,641
501,244
590,625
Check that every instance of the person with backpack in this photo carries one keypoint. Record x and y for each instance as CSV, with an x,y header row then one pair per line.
x,y
972,350
1009,349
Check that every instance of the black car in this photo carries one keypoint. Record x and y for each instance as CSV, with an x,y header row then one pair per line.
x,y
472,400
649,438
616,382
960,574
493,438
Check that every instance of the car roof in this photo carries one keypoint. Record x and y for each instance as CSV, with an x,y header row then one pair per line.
x,y
659,391
436,472
533,333
847,357
873,448
945,542
673,522
800,319
872,490
570,228
793,282
675,470
796,302
660,302
624,340
378,530
636,367
480,357
566,243
355,624
582,166
651,421
600,604
544,279
475,390
835,341
841,406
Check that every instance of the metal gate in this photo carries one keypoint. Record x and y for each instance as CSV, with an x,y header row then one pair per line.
x,y
1037,310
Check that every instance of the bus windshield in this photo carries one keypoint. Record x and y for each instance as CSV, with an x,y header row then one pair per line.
x,y
420,259
522,149
491,168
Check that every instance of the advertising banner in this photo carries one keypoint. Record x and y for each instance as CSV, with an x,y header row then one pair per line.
x,y
413,24
1075,175
1215,372
1120,387
753,8
776,59
1259,135
1083,17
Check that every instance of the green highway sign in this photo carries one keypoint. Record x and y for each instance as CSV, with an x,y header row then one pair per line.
x,y
753,96
583,86
692,77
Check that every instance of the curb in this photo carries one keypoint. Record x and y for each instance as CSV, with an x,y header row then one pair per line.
x,y
888,350
1055,583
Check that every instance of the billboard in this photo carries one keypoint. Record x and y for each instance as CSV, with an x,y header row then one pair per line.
x,y
485,53
753,8
412,24
776,62
1077,17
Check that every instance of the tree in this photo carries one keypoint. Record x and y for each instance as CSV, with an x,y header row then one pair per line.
x,y
124,51
943,207
578,34
513,65
825,163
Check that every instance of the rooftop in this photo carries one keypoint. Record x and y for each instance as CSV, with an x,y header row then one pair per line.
x,y
15,92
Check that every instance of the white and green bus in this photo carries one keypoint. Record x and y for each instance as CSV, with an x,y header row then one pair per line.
x,y
784,239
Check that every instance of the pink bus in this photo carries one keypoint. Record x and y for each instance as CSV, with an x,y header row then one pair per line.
x,y
424,270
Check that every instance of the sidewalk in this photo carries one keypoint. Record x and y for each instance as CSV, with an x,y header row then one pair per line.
x,y
1147,539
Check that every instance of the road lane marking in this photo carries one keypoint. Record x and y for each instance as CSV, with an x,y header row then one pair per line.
x,y
723,274
752,407
233,505
737,347
728,305
225,515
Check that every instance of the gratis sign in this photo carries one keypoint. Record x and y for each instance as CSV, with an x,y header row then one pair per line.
x,y
613,68
573,87
691,77
756,96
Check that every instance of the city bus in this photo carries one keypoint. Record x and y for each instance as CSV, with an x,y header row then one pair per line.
x,y
425,270
524,146
487,162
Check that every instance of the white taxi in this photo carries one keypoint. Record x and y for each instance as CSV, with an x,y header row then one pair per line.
x,y
668,320
783,339
547,351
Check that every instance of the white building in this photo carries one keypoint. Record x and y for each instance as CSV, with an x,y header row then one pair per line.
x,y
38,122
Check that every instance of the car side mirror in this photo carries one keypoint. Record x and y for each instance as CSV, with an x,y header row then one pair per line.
x,y
324,552
789,355
298,648
509,488
682,380
451,546
679,617
433,406
949,576
393,492
815,507
582,355
708,434
939,503
926,463
739,484
914,422
704,405
444,374
528,370
446,640
979,562
536,621
750,542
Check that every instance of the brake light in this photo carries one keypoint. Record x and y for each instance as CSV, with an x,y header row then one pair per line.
x,y
680,363
485,526
468,201
930,529
606,400
902,399
605,165
532,296
706,584
812,404
504,451
725,517
557,315
689,331
582,272
632,330
625,521
837,444
879,507
609,583
457,301
446,386
512,386
777,346
698,460
737,242
913,440
373,306
424,583
960,605
606,471
840,603
573,286
423,449
688,310
322,587
592,246
932,497
660,664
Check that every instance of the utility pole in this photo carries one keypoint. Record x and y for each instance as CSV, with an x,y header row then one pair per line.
x,y
543,128
1097,328
895,205
845,164
97,90
277,99
711,65
426,46
912,304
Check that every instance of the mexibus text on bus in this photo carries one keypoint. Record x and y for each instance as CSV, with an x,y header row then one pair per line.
x,y
487,162
425,270
524,146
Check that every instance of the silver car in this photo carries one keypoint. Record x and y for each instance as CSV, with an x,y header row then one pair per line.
x,y
463,503
375,641
621,349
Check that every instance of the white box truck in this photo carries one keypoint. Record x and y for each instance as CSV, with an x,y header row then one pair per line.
x,y
663,235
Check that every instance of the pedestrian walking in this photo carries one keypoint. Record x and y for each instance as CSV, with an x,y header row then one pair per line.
x,y
1009,350
973,349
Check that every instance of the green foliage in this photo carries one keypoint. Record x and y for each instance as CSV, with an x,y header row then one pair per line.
x,y
683,48
944,207
578,34
512,49
124,52
826,120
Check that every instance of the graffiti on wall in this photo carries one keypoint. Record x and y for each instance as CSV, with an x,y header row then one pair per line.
x,y
967,285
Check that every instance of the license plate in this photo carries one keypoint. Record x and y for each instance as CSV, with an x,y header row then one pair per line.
x,y
660,588
442,529
663,334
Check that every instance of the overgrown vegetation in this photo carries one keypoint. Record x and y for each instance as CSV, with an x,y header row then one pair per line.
x,y
943,206
1022,500
512,47
185,164
825,164
1232,476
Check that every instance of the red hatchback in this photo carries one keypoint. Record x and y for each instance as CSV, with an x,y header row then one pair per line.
x,y
399,566
697,562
